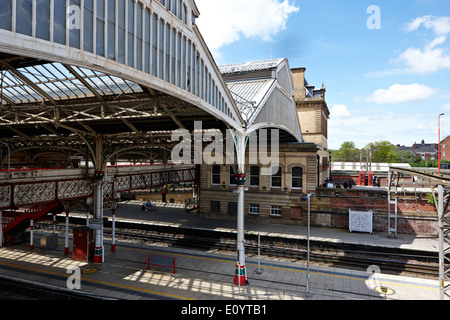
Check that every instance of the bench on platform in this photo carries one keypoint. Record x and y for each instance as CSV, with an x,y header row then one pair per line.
x,y
148,207
161,261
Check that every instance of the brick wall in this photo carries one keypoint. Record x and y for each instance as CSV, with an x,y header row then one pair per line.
x,y
329,208
415,215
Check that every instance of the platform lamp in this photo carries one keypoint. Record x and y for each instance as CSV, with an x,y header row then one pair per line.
x,y
308,197
439,143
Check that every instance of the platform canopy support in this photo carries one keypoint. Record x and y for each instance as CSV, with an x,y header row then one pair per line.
x,y
96,144
241,143
113,245
98,214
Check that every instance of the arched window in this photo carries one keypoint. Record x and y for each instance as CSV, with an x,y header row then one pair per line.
x,y
276,179
254,176
297,178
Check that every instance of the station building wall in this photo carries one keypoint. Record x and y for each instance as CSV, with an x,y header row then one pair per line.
x,y
267,200
329,207
415,215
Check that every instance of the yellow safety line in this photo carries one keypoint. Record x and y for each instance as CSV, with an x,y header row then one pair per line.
x,y
215,260
94,280
287,269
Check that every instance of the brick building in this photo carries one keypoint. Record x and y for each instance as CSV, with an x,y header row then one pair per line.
x,y
302,166
445,149
424,151
313,114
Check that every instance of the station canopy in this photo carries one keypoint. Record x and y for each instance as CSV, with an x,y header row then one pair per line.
x,y
46,98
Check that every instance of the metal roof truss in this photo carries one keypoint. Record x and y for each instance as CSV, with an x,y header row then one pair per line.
x,y
36,92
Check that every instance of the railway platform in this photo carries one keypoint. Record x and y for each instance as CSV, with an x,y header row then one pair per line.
x,y
208,276
173,214
204,276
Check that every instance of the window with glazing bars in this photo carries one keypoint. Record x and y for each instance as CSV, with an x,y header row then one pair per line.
x,y
297,178
253,208
215,175
275,210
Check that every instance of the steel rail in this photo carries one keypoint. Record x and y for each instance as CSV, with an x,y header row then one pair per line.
x,y
342,258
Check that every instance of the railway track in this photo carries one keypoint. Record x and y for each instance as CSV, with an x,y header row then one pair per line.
x,y
343,258
359,257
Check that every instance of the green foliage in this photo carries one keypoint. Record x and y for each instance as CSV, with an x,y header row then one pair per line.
x,y
348,152
404,157
424,163
430,198
382,151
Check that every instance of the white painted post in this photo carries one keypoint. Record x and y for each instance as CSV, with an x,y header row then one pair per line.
x,y
308,245
240,177
66,238
259,254
31,234
113,246
1,228
441,242
98,214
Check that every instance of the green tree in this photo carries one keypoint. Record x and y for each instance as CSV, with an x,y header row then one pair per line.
x,y
347,152
382,151
404,157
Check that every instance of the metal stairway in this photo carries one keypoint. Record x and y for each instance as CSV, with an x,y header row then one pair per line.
x,y
17,221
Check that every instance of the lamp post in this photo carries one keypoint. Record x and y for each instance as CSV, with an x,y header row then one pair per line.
x,y
439,142
308,197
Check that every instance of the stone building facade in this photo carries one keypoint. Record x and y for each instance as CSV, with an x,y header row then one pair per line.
x,y
303,166
275,198
313,114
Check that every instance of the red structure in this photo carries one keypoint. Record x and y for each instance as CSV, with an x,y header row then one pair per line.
x,y
363,179
28,196
239,276
161,261
83,244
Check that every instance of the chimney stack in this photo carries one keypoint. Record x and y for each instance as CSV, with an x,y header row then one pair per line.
x,y
298,81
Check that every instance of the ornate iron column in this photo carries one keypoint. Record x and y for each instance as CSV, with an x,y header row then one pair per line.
x,y
241,142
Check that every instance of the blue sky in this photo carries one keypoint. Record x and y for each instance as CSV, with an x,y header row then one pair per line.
x,y
382,84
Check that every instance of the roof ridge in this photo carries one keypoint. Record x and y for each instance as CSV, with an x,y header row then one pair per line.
x,y
250,65
252,61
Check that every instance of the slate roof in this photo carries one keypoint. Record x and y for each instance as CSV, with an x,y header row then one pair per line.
x,y
250,66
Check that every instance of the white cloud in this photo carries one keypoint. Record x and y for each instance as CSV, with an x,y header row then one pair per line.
x,y
439,25
340,111
446,107
427,60
224,22
431,58
398,93
424,61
